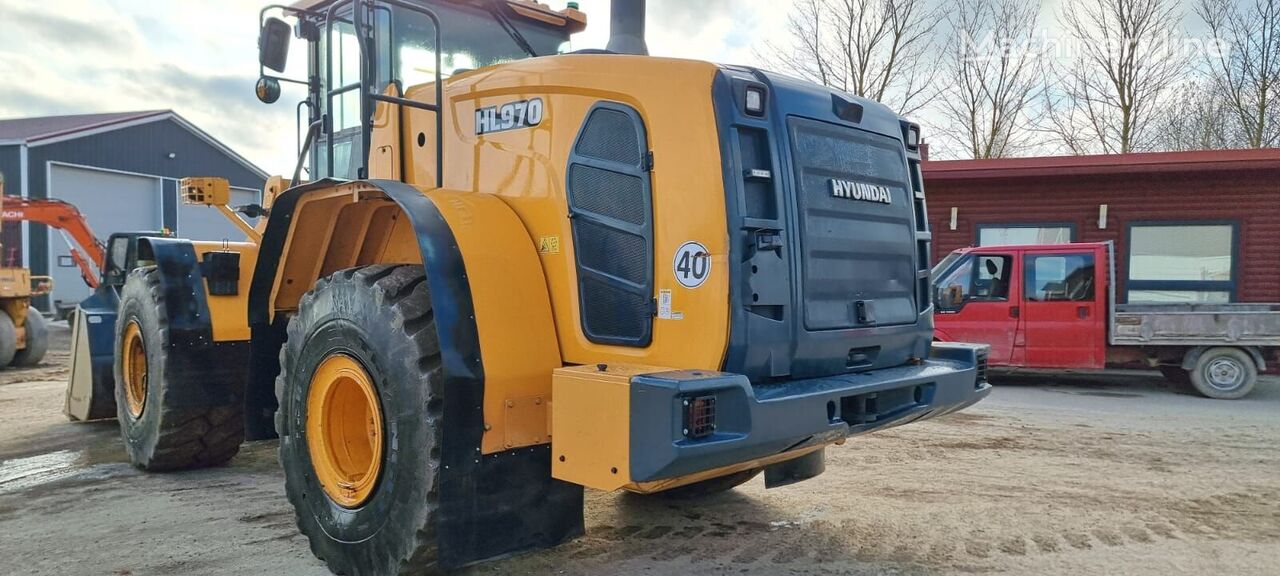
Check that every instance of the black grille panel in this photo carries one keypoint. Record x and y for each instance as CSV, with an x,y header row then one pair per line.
x,y
610,251
611,314
609,193
612,208
611,135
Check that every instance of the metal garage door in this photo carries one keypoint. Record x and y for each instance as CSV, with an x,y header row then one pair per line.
x,y
112,202
206,223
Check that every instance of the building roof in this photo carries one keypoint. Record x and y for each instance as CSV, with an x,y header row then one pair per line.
x,y
51,129
33,130
1103,164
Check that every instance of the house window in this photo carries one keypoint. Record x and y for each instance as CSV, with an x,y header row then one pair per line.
x,y
1181,262
1022,234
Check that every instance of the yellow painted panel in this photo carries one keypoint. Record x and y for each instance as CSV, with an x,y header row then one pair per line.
x,y
527,168
591,424
229,315
513,312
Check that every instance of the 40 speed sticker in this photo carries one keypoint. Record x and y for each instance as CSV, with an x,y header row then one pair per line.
x,y
692,265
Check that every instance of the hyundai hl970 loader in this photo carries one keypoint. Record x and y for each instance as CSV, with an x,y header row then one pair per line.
x,y
516,272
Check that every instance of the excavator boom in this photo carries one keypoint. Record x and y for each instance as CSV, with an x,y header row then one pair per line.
x,y
68,220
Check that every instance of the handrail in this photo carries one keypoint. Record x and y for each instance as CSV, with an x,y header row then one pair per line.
x,y
302,153
366,32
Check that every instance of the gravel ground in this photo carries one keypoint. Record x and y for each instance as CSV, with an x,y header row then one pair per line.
x,y
1080,476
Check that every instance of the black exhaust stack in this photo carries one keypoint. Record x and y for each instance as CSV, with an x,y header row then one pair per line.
x,y
626,27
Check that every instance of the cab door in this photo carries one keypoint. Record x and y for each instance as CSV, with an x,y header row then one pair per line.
x,y
1063,309
977,302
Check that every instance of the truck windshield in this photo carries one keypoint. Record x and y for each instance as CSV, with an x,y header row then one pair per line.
x,y
942,266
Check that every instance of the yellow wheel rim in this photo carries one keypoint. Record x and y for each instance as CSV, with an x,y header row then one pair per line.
x,y
344,430
135,369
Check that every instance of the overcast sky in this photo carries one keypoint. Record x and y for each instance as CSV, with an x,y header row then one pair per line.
x,y
198,57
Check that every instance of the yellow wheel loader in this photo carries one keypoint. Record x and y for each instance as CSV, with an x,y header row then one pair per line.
x,y
517,272
24,337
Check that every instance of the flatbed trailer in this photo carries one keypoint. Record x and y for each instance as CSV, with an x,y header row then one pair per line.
x,y
1054,307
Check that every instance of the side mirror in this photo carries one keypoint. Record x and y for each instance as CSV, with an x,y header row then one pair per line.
x,y
955,295
273,44
268,90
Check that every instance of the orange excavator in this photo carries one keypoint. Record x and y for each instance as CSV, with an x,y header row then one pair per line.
x,y
67,220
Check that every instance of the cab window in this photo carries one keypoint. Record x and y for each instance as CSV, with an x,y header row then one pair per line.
x,y
1060,278
117,260
975,278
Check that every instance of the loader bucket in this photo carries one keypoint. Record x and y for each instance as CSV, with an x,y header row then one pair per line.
x,y
91,390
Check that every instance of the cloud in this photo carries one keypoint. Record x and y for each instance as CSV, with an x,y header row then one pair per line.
x,y
200,59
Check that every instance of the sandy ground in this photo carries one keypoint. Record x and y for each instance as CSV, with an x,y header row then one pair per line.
x,y
1123,476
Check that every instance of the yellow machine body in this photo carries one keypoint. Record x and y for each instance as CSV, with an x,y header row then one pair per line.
x,y
639,273
505,200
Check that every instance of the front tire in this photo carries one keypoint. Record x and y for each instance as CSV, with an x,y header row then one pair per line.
x,y
8,339
37,340
361,370
1224,373
161,431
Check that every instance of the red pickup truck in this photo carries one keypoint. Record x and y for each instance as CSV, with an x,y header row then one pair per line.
x,y
1054,307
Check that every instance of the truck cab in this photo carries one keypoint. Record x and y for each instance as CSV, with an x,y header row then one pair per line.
x,y
1037,306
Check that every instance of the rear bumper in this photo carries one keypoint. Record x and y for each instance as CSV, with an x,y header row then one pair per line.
x,y
755,422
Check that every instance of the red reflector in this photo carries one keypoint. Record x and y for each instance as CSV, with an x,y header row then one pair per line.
x,y
699,416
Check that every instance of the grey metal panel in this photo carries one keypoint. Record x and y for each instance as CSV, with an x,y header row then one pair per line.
x,y
10,166
206,223
111,202
11,234
1196,324
142,149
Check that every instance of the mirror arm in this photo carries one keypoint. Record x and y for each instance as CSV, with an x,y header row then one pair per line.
x,y
283,79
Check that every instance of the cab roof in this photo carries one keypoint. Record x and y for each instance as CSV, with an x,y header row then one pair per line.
x,y
571,19
997,248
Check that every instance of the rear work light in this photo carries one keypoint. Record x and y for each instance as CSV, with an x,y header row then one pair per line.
x,y
912,136
699,417
755,100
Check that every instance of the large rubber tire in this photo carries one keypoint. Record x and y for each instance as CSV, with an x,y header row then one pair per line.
x,y
1224,373
710,486
165,437
381,317
8,339
37,340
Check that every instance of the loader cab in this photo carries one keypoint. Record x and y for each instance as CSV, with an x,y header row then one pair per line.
x,y
357,49
122,256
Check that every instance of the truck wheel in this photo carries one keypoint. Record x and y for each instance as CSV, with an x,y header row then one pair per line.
x,y
37,340
8,339
360,420
1224,373
159,435
710,486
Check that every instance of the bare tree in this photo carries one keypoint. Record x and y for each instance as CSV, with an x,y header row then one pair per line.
x,y
1247,72
991,77
878,49
1197,118
1111,90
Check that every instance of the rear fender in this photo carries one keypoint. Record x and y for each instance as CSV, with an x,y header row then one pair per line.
x,y
1193,355
205,333
497,340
